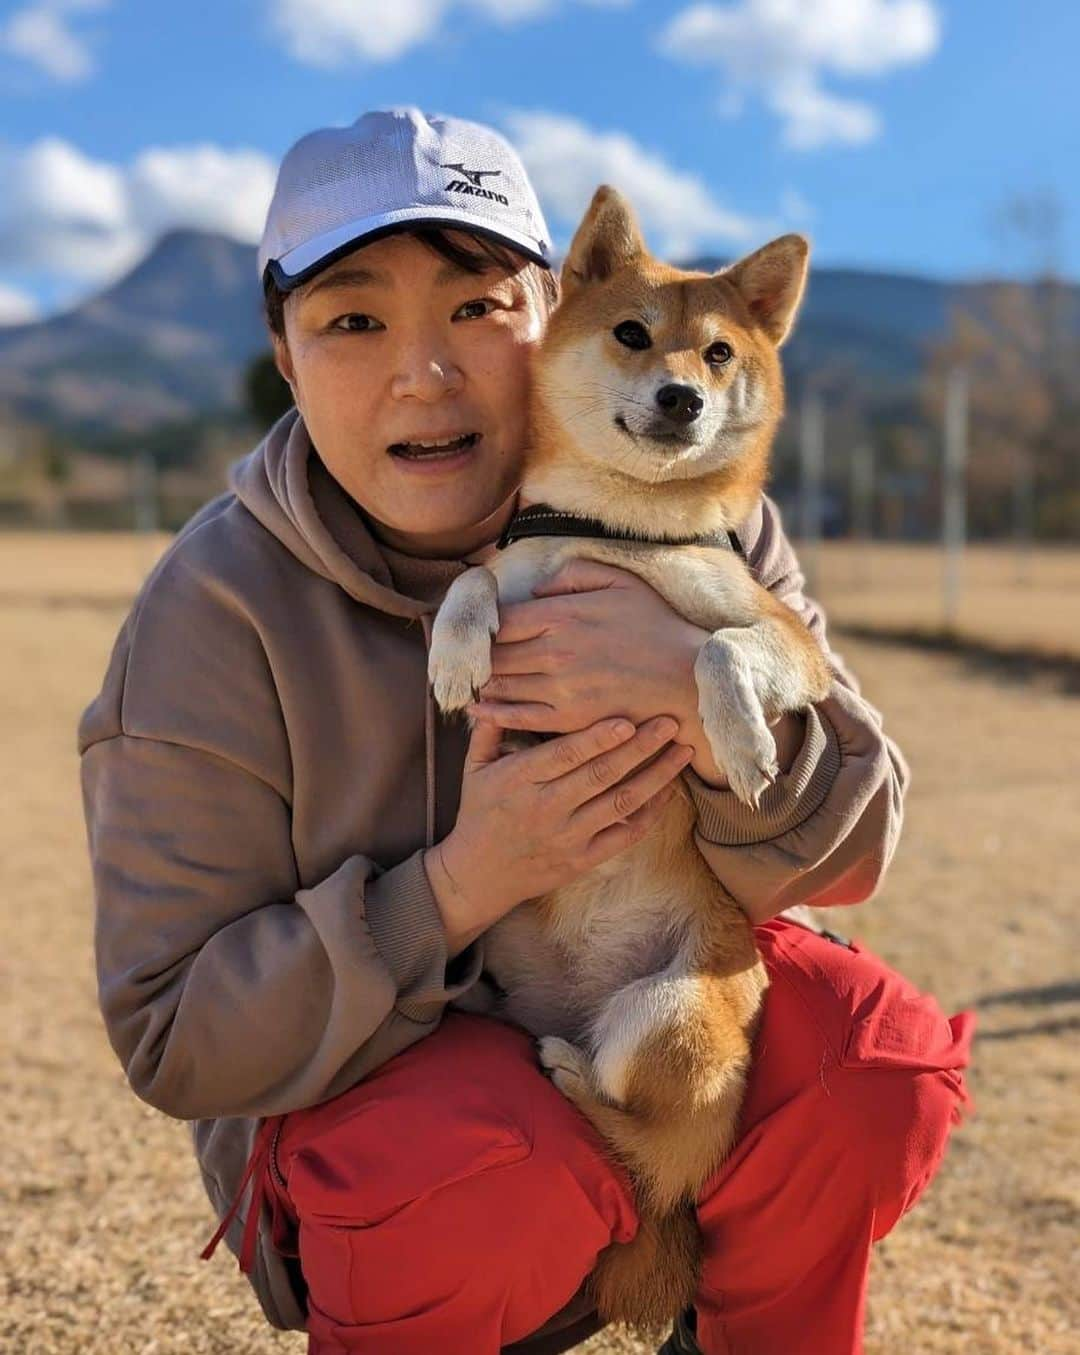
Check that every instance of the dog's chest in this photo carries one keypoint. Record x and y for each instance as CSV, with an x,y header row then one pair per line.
x,y
560,960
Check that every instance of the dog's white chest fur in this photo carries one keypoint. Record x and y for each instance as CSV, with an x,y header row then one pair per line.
x,y
559,962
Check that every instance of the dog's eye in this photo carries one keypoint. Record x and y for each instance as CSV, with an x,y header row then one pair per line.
x,y
718,353
632,335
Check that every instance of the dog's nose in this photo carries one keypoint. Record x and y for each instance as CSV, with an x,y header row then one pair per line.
x,y
682,404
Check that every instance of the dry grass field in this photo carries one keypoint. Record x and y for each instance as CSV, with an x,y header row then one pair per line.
x,y
102,1213
1008,600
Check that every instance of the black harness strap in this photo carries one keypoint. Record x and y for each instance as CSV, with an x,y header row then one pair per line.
x,y
543,520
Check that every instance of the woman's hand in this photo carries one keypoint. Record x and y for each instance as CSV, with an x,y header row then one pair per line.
x,y
596,642
538,818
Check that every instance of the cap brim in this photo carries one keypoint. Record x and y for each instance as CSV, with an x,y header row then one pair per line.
x,y
301,264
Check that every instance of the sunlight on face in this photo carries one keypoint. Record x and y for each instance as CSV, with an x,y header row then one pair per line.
x,y
392,351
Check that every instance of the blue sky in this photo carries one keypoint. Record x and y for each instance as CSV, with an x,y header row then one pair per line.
x,y
892,131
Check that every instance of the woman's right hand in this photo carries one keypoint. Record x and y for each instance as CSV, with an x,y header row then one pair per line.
x,y
537,818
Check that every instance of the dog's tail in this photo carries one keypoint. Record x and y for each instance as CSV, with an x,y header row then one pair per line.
x,y
646,1282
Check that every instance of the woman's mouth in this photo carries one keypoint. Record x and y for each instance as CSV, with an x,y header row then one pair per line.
x,y
435,449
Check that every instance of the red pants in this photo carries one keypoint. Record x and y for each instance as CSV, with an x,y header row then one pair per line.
x,y
453,1201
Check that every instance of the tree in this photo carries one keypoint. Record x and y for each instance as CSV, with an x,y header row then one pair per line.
x,y
267,394
1022,399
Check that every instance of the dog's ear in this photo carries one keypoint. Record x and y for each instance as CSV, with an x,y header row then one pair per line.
x,y
771,281
607,239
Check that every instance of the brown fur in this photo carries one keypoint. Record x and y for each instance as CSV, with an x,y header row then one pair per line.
x,y
645,961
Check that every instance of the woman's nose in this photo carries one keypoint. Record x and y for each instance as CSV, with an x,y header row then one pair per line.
x,y
426,375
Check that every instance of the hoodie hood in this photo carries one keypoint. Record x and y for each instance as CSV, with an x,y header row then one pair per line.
x,y
285,486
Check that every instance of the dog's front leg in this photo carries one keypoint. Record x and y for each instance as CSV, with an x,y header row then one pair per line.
x,y
459,662
728,673
748,675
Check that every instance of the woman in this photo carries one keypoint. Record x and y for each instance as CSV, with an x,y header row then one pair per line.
x,y
295,861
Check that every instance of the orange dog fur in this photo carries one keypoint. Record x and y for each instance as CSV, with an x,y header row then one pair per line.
x,y
641,979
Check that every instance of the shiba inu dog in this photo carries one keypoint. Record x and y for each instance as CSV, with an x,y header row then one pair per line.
x,y
656,396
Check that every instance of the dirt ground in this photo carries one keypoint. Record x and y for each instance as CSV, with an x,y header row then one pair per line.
x,y
102,1215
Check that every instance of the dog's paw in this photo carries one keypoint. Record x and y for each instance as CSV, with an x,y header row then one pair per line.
x,y
733,719
747,754
459,660
458,666
568,1066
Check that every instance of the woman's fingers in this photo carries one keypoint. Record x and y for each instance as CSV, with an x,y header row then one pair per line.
x,y
537,717
516,687
623,800
484,744
525,656
528,620
554,759
608,769
610,841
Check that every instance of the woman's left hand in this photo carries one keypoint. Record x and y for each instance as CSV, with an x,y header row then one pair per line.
x,y
595,642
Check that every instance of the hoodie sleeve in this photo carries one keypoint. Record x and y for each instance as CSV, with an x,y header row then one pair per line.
x,y
226,987
826,831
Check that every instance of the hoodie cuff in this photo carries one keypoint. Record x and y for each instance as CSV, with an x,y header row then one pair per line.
x,y
722,817
408,932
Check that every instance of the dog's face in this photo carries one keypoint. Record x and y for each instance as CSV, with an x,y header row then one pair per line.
x,y
658,373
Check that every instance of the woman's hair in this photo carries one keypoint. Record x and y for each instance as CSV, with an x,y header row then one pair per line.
x,y
474,255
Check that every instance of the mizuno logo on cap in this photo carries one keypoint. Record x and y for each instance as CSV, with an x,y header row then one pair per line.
x,y
474,188
474,175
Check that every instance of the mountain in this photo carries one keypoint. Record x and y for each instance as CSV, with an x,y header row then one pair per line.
x,y
876,327
172,339
168,342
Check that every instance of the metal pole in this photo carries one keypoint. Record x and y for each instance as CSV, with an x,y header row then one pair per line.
x,y
954,514
812,464
145,495
1023,513
145,492
862,508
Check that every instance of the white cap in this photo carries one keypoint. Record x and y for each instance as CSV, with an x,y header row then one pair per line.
x,y
341,186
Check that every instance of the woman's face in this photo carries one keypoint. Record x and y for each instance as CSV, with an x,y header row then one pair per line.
x,y
392,349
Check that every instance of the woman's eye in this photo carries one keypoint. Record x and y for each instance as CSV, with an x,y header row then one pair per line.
x,y
362,325
475,310
718,353
631,334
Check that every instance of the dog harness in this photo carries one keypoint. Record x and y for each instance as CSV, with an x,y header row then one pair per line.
x,y
543,520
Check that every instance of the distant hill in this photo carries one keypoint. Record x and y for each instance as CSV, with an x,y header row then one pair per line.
x,y
168,342
171,340
876,326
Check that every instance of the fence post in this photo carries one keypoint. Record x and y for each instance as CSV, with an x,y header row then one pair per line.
x,y
144,489
812,467
1023,513
954,508
862,508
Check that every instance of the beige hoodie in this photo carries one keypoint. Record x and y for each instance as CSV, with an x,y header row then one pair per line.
x,y
261,772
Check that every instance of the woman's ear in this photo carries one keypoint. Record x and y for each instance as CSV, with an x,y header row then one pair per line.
x,y
771,282
607,239
283,359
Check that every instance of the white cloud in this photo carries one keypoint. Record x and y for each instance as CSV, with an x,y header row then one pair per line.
x,y
203,186
335,33
63,211
73,216
784,49
42,35
567,161
16,307
331,33
814,118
